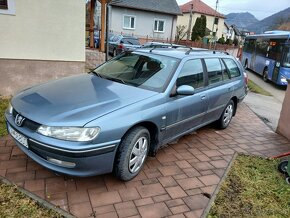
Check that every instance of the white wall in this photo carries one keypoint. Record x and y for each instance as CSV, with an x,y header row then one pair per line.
x,y
44,30
184,20
144,23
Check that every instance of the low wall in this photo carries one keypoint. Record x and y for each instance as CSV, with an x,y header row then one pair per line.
x,y
284,121
94,58
16,75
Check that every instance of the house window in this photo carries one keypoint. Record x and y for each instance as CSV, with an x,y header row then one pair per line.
x,y
216,20
3,4
129,22
159,25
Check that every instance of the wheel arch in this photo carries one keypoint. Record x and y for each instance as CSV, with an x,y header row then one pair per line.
x,y
153,130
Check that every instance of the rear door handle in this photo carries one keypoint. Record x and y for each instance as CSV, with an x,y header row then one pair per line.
x,y
203,97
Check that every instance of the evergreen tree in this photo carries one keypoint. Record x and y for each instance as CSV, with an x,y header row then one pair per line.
x,y
196,29
203,26
199,28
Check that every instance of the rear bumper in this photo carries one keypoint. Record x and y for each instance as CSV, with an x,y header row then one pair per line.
x,y
91,160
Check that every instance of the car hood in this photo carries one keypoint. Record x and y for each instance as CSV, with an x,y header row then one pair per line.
x,y
76,100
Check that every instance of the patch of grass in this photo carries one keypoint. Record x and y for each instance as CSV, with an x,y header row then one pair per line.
x,y
16,204
253,87
253,188
3,106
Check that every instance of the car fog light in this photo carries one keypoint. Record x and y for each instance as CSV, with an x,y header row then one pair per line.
x,y
60,162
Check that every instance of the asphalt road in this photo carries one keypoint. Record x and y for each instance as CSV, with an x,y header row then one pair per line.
x,y
268,108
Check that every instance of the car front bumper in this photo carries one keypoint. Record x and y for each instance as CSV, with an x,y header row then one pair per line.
x,y
75,159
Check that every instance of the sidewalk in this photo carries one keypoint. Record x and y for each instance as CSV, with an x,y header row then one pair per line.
x,y
172,183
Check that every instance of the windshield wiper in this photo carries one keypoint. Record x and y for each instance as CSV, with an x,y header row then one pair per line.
x,y
97,74
116,80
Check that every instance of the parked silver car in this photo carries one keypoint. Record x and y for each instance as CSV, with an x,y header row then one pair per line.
x,y
113,117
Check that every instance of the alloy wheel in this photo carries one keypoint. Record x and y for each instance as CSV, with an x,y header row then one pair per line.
x,y
228,114
138,154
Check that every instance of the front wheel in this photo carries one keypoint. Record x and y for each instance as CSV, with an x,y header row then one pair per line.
x,y
132,153
226,116
265,75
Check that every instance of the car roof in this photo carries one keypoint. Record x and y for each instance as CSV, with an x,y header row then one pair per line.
x,y
183,52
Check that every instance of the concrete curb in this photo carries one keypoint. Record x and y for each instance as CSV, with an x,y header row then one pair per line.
x,y
212,199
41,201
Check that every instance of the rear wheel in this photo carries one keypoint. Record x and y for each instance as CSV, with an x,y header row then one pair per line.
x,y
226,116
265,75
282,167
132,153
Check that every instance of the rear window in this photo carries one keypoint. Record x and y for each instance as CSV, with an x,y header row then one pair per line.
x,y
131,41
214,70
232,67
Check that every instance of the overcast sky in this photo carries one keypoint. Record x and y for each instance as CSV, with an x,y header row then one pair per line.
x,y
259,8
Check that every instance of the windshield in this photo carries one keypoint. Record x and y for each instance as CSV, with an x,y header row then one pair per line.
x,y
147,71
286,57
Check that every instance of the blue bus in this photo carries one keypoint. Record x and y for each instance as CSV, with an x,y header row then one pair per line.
x,y
268,54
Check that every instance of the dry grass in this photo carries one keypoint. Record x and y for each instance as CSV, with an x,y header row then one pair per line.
x,y
15,204
3,106
253,188
253,87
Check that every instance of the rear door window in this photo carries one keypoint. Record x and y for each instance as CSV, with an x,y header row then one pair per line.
x,y
191,74
214,70
232,67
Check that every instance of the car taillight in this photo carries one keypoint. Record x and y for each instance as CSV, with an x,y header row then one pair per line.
x,y
246,78
120,46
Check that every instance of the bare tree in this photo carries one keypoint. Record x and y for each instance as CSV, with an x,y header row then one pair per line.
x,y
180,33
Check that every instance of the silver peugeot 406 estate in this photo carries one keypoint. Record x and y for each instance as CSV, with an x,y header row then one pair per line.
x,y
112,118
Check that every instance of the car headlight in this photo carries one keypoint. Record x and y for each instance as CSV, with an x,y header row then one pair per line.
x,y
10,109
79,134
283,79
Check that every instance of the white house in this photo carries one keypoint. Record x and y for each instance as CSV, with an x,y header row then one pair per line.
x,y
214,19
144,18
40,40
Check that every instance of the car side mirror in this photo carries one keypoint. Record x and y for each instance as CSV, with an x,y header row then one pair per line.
x,y
185,90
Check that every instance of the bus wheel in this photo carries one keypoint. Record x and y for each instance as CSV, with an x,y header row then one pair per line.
x,y
246,64
265,75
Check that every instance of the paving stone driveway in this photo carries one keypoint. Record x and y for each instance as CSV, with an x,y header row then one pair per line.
x,y
171,184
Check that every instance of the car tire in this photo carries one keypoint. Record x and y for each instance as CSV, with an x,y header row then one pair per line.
x,y
282,167
265,75
227,115
132,153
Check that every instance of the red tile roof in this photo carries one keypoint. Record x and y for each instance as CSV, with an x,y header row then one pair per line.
x,y
200,7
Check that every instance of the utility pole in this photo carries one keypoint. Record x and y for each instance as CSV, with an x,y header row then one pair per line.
x,y
189,23
216,7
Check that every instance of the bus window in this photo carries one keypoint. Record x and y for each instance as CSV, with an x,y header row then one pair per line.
x,y
286,57
249,45
262,47
275,50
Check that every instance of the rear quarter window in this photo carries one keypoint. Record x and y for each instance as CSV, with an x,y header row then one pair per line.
x,y
214,70
232,67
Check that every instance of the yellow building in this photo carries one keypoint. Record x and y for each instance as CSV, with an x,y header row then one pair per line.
x,y
39,41
214,20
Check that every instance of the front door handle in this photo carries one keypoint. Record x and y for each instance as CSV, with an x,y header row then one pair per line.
x,y
203,97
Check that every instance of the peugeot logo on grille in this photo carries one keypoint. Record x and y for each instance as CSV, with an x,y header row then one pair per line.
x,y
19,120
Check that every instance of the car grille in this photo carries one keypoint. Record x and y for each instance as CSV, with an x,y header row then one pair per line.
x,y
29,124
